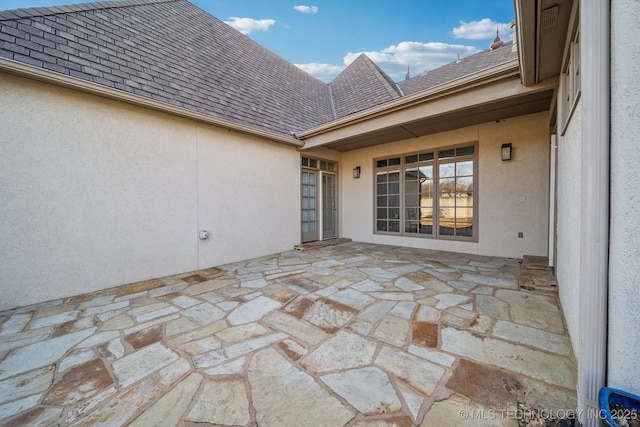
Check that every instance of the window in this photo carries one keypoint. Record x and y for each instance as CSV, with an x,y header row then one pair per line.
x,y
428,194
318,199
388,199
310,163
572,74
571,79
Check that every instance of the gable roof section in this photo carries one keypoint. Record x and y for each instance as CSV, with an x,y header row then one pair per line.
x,y
360,86
172,52
172,56
485,89
463,67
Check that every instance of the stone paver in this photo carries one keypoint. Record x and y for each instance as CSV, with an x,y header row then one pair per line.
x,y
222,402
421,374
252,310
28,384
169,407
348,335
79,384
368,390
142,363
284,395
517,358
458,411
39,354
393,331
344,350
296,328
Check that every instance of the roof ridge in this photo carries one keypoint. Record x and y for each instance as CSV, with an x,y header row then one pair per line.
x,y
389,84
466,59
31,12
465,66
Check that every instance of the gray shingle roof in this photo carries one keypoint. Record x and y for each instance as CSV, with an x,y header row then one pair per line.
x,y
175,53
360,86
172,52
468,65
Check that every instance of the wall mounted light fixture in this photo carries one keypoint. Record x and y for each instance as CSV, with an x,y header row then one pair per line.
x,y
356,172
506,151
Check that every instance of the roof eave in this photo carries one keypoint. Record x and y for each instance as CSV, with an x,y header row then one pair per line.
x,y
36,73
506,69
542,28
526,35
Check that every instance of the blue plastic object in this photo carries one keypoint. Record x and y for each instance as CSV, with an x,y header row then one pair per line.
x,y
611,396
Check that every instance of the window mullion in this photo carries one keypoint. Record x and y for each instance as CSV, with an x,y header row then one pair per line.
x,y
436,198
403,205
415,207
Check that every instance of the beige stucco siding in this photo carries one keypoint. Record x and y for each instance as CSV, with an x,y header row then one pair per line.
x,y
624,266
569,238
512,196
248,198
97,193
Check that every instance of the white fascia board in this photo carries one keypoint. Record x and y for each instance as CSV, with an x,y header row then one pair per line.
x,y
489,75
526,12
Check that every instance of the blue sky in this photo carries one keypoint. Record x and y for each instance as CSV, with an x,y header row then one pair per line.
x,y
323,36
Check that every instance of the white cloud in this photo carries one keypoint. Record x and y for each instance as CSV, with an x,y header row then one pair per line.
x,y
483,29
248,25
325,72
395,59
419,56
306,9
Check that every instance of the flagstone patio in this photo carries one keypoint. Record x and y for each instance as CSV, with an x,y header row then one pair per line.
x,y
348,335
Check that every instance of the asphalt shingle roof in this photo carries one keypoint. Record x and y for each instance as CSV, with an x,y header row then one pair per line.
x,y
360,86
172,52
175,53
455,70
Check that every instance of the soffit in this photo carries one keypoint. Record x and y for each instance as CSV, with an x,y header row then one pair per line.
x,y
499,100
541,31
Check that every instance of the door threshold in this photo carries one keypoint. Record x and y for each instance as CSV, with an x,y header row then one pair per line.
x,y
321,244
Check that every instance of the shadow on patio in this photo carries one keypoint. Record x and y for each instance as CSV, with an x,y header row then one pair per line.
x,y
354,334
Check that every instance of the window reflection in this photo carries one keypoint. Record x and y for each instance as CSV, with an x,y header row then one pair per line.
x,y
388,200
428,195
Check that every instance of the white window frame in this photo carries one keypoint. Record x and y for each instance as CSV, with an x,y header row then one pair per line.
x,y
571,85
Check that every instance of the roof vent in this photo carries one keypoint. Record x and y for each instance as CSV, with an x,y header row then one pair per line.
x,y
549,19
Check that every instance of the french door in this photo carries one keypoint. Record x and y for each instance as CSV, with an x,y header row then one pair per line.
x,y
328,206
318,195
309,205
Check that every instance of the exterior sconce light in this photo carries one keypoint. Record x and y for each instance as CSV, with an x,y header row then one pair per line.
x,y
506,151
356,172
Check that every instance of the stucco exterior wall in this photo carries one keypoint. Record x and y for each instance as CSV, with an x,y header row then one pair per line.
x,y
248,196
624,265
97,193
569,195
512,195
